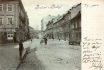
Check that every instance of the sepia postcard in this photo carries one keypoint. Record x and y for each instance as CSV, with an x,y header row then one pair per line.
x,y
51,34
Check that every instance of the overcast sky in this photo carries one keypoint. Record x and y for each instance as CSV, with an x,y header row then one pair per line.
x,y
36,14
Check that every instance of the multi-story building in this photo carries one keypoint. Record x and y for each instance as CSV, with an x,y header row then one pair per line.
x,y
32,32
67,26
44,22
14,21
75,25
60,28
57,28
49,29
49,32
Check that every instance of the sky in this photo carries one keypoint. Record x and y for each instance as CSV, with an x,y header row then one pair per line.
x,y
37,9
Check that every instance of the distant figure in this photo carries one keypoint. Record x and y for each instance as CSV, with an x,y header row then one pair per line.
x,y
53,38
37,37
21,48
31,40
59,39
45,39
41,41
14,39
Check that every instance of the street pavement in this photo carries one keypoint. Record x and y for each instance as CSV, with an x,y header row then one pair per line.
x,y
56,55
9,55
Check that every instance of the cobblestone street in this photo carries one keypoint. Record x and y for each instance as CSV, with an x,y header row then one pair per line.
x,y
56,55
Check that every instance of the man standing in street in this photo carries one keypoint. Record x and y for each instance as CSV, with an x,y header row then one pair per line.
x,y
14,39
21,48
45,39
31,39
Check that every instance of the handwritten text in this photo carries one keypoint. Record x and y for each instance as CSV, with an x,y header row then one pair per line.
x,y
91,54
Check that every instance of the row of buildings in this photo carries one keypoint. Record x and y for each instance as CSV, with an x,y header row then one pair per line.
x,y
65,27
14,21
34,33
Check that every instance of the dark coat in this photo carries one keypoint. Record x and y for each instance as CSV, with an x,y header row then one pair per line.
x,y
45,39
21,46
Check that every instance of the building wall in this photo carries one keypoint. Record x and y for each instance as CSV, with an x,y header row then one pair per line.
x,y
18,28
63,27
49,29
44,22
75,34
5,14
32,32
23,23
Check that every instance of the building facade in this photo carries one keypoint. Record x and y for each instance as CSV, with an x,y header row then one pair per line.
x,y
14,21
75,25
44,22
66,27
34,33
49,30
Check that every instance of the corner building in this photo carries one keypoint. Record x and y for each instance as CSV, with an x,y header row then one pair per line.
x,y
14,22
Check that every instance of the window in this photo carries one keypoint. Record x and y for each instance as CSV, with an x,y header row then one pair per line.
x,y
1,21
10,7
1,7
75,24
8,35
10,21
11,35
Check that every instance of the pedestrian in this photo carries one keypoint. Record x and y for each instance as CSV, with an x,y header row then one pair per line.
x,y
31,40
21,48
41,41
59,39
53,38
45,39
14,39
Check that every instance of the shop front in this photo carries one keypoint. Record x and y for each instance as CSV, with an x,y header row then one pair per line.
x,y
10,35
